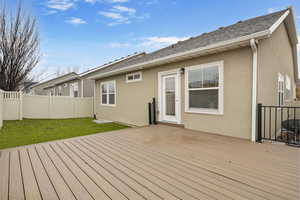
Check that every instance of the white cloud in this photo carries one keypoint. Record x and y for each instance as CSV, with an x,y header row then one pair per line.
x,y
118,1
157,42
124,9
118,45
90,1
271,10
61,5
75,21
117,18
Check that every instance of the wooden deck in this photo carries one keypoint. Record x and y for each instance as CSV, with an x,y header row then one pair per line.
x,y
157,162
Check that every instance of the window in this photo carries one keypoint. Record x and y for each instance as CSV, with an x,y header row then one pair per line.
x,y
288,88
137,76
280,90
108,93
204,88
74,89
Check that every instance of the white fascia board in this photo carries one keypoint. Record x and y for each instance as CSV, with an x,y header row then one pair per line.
x,y
278,22
109,64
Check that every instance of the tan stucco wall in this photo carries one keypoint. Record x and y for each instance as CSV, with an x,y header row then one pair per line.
x,y
132,98
274,56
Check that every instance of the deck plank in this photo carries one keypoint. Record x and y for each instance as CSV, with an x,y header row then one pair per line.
x,y
16,189
32,191
46,188
110,185
62,189
217,188
94,190
182,189
72,181
130,144
4,175
155,162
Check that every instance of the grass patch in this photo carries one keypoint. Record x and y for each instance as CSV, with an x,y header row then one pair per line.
x,y
32,131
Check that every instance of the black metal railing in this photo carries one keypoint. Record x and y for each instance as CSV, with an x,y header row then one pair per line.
x,y
152,111
278,123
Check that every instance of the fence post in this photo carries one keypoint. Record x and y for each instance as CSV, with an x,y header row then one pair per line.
x,y
259,122
20,105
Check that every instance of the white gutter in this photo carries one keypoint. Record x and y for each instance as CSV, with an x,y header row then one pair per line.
x,y
253,44
81,87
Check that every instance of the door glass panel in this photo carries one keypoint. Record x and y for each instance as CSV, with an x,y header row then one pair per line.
x,y
170,95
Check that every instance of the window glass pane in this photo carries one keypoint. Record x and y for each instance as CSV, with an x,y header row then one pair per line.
x,y
207,99
137,76
170,103
111,87
112,99
130,78
170,84
195,78
75,93
104,99
104,88
210,77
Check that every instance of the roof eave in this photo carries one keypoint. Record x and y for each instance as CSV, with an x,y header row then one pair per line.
x,y
220,46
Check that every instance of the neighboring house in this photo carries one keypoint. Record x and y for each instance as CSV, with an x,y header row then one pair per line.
x,y
211,82
73,84
80,85
25,87
46,87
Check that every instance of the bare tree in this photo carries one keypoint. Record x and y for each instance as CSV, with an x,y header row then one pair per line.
x,y
19,48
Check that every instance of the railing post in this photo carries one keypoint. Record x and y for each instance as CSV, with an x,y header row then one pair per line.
x,y
154,111
150,115
259,122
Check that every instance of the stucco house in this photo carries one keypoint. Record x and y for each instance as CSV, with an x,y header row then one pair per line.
x,y
211,82
46,87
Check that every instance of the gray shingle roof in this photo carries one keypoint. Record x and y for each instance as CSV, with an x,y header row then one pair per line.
x,y
241,28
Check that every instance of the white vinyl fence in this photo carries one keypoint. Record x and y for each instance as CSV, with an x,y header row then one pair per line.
x,y
1,108
16,106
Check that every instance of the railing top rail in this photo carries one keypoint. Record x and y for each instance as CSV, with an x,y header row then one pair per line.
x,y
280,106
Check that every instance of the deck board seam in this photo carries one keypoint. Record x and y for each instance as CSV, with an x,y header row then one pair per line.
x,y
158,178
130,176
80,169
21,171
34,173
196,182
216,173
111,173
42,147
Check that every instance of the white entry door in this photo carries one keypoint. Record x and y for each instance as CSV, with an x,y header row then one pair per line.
x,y
170,98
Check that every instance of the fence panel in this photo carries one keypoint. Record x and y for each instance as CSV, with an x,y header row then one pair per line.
x,y
11,106
56,107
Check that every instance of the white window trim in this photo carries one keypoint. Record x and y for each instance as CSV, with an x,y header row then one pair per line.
x,y
134,80
220,110
280,78
288,81
107,100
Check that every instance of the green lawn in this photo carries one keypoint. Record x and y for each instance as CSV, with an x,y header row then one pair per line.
x,y
31,131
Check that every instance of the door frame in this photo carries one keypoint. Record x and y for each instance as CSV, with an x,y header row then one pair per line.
x,y
176,72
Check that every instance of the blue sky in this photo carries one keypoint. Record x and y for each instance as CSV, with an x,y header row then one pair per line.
x,y
81,34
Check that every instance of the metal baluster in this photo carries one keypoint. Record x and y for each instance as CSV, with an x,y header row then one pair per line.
x,y
275,123
270,118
